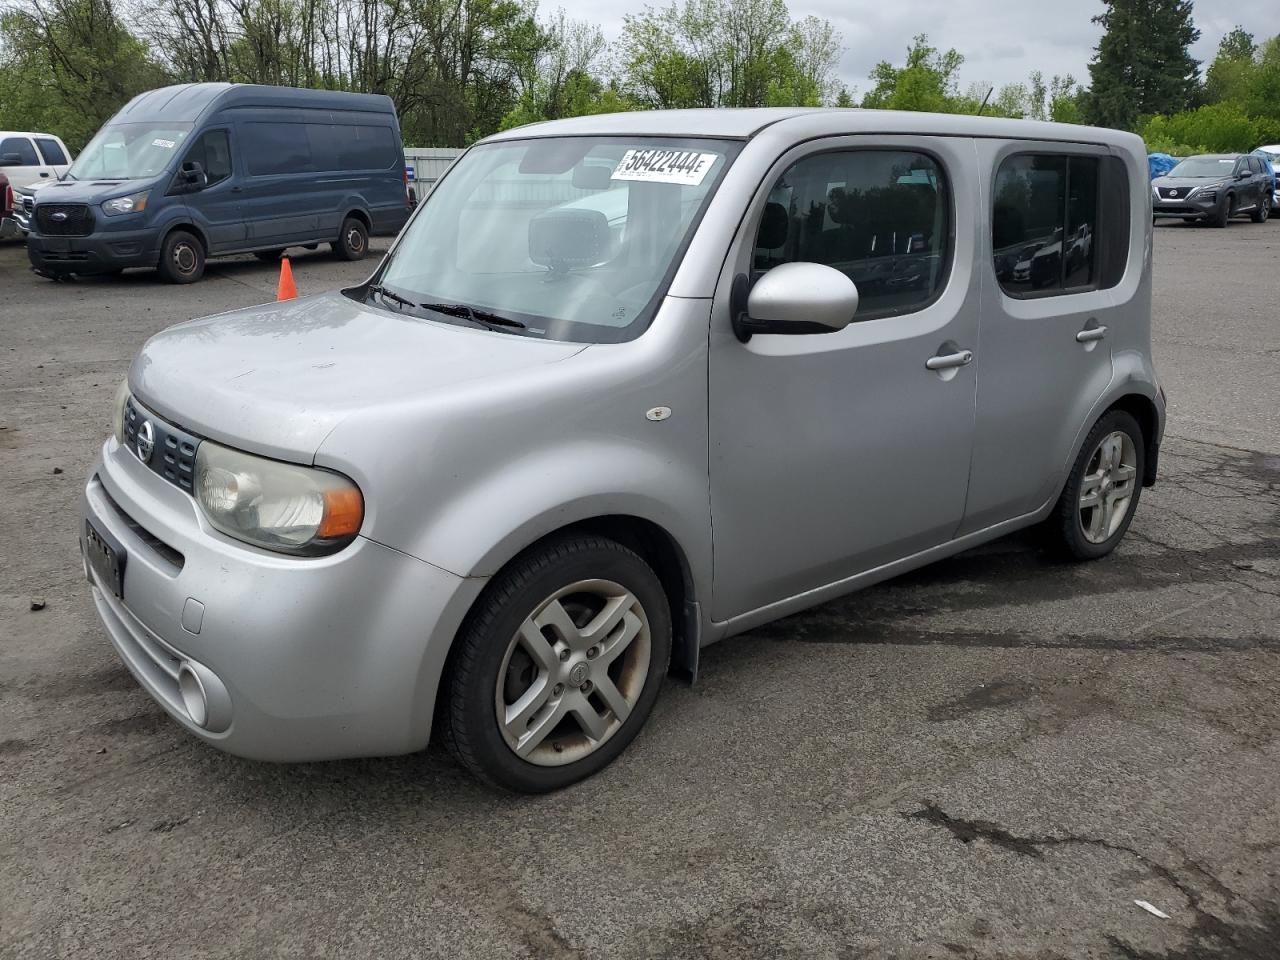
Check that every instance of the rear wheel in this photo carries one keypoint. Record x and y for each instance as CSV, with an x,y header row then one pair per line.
x,y
181,258
558,666
1101,495
353,240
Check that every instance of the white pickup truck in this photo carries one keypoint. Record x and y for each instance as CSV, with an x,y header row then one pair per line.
x,y
29,160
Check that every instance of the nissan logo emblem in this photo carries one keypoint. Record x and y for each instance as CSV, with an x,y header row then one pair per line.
x,y
59,216
146,441
1173,193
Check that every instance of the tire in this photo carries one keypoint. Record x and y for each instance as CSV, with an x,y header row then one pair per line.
x,y
181,258
1262,211
1226,210
558,672
269,256
1087,533
353,240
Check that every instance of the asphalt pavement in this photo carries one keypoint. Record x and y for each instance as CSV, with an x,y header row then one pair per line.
x,y
994,757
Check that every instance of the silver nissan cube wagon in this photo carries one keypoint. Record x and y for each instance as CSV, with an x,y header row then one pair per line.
x,y
624,386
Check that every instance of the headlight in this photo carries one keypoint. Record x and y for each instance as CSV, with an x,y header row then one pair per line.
x,y
279,506
117,410
134,203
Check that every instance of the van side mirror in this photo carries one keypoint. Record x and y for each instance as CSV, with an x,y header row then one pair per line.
x,y
193,174
793,298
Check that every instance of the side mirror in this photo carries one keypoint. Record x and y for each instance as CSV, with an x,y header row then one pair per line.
x,y
193,174
1242,175
793,298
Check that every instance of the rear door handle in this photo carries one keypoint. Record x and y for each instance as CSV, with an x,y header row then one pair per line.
x,y
947,361
1091,333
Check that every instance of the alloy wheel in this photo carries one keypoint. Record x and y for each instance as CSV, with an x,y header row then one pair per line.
x,y
573,672
1108,486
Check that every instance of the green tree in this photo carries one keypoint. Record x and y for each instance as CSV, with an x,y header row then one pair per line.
x,y
67,65
1143,63
926,81
1233,70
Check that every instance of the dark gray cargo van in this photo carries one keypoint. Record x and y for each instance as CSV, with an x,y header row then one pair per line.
x,y
207,169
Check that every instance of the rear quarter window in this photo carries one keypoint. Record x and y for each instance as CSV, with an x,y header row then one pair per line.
x,y
51,151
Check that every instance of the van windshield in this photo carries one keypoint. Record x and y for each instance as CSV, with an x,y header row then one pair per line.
x,y
574,238
130,151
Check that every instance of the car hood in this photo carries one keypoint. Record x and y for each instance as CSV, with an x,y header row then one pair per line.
x,y
1190,183
276,379
89,191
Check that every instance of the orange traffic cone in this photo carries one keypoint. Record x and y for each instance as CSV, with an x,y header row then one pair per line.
x,y
285,289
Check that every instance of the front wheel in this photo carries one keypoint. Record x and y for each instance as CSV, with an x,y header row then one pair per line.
x,y
558,666
353,240
1226,210
181,258
1101,495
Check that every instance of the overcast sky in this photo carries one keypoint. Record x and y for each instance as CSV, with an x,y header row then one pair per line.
x,y
1002,40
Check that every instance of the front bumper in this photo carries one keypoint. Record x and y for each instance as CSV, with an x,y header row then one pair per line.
x,y
298,659
1192,209
101,252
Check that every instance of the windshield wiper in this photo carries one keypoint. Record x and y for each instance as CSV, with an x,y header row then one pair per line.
x,y
391,295
485,318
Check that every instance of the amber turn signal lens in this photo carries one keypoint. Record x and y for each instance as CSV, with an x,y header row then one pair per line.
x,y
343,514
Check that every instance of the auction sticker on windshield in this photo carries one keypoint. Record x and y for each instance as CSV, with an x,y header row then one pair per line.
x,y
658,165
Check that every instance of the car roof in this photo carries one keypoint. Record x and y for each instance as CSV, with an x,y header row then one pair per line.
x,y
1215,156
27,133
186,102
744,123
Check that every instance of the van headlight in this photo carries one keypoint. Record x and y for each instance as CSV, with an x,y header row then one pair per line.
x,y
117,410
279,506
134,203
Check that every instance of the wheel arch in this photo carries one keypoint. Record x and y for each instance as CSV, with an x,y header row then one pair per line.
x,y
190,228
1143,409
361,214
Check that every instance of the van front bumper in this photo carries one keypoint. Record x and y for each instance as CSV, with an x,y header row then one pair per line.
x,y
262,655
96,253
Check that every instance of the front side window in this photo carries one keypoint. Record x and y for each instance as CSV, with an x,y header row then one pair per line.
x,y
879,216
130,151
213,152
21,148
576,238
1044,223
51,151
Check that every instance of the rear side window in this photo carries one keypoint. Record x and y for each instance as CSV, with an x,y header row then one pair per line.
x,y
279,148
20,146
1051,231
213,152
51,151
881,217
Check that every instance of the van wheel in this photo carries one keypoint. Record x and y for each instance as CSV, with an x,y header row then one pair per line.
x,y
181,258
353,240
269,256
1097,504
558,666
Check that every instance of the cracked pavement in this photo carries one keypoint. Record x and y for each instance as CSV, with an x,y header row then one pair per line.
x,y
991,758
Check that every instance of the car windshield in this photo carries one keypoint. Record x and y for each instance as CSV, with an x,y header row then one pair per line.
x,y
1201,167
129,151
575,238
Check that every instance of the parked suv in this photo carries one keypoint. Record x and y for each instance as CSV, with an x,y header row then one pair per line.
x,y
1214,187
1270,155
188,172
550,448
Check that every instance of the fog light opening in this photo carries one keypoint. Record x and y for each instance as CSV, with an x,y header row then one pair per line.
x,y
193,696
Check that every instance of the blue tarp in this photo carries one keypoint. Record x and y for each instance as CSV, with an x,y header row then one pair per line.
x,y
1158,164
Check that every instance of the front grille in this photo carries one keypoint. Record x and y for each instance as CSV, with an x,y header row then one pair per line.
x,y
28,205
168,554
173,452
1174,193
64,219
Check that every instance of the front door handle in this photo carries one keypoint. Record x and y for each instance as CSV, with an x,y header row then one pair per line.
x,y
1089,334
949,360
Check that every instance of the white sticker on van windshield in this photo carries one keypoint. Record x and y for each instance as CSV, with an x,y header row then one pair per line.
x,y
167,144
657,165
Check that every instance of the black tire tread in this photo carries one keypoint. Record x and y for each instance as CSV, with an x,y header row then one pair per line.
x,y
1064,520
475,634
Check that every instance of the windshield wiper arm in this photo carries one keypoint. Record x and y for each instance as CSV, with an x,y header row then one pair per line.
x,y
485,318
391,295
